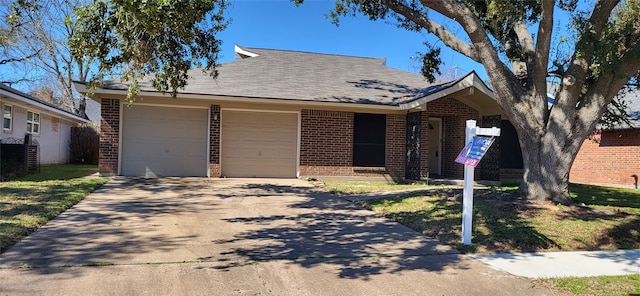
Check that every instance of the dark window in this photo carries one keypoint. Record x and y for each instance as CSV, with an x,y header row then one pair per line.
x,y
510,153
369,132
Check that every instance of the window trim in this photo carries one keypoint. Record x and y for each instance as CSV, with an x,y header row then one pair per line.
x,y
10,128
31,123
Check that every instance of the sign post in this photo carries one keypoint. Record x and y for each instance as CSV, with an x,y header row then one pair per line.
x,y
478,142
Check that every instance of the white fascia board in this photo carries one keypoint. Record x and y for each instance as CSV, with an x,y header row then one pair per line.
x,y
469,81
29,102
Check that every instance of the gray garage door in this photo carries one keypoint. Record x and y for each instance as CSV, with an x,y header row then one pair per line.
x,y
163,141
259,144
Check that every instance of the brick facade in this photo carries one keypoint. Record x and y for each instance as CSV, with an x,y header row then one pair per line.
x,y
326,143
109,137
396,145
214,141
326,140
454,115
326,147
611,157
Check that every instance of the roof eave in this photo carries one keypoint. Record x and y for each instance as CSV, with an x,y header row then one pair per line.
x,y
31,102
470,80
231,98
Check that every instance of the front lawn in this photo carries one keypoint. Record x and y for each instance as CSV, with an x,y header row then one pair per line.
x,y
604,219
609,219
30,202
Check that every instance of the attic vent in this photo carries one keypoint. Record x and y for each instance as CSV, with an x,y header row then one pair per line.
x,y
242,53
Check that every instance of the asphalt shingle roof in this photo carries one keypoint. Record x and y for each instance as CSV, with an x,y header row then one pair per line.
x,y
295,75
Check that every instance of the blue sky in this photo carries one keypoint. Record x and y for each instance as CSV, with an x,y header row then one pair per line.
x,y
279,24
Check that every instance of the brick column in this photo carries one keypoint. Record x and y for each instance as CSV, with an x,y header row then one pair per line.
x,y
395,158
214,141
109,137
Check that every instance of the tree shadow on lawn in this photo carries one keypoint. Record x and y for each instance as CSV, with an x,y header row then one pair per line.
x,y
319,228
497,222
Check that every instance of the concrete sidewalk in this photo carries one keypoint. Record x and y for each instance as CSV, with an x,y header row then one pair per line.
x,y
565,264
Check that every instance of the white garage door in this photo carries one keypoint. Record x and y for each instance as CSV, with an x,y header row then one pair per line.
x,y
163,141
259,144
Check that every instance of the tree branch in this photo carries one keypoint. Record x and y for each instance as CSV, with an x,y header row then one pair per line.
x,y
578,70
506,86
526,43
17,60
449,39
543,44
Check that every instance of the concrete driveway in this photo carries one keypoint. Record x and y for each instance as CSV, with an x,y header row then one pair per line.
x,y
193,236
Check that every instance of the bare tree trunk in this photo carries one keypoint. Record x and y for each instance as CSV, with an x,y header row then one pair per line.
x,y
546,173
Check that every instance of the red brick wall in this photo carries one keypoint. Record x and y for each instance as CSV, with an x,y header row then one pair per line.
x,y
326,145
454,115
608,158
214,141
109,137
396,145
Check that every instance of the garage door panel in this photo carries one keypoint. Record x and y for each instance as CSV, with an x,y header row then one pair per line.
x,y
162,141
164,150
259,144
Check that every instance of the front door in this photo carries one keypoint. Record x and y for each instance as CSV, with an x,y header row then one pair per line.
x,y
435,146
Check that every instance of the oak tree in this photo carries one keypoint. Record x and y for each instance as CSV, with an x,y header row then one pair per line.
x,y
516,42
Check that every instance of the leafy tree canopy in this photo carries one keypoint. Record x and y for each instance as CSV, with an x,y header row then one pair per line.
x,y
160,38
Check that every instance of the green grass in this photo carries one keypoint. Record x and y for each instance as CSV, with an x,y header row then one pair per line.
x,y
342,187
61,172
605,196
601,285
30,202
608,218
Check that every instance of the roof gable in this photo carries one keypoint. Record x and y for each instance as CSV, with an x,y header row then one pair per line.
x,y
442,90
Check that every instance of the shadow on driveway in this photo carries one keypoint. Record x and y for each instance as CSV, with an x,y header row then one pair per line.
x,y
141,221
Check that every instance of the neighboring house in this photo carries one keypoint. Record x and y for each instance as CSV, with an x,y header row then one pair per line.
x,y
612,156
48,125
279,113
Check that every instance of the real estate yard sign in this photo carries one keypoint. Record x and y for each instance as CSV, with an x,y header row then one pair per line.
x,y
478,142
475,150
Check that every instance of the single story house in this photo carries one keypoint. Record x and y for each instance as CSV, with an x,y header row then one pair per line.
x,y
280,113
611,156
48,125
